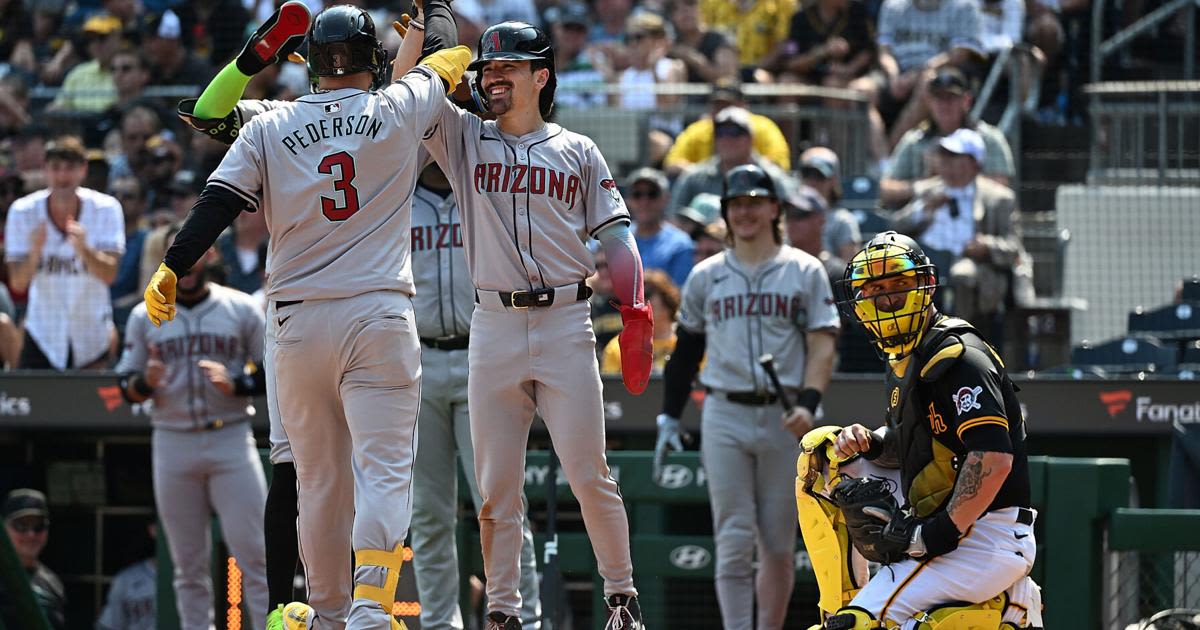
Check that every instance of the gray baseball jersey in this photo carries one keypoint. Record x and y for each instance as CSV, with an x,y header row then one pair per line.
x,y
746,311
546,192
317,170
226,327
131,599
444,300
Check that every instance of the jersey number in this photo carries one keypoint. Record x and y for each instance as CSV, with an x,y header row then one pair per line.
x,y
343,184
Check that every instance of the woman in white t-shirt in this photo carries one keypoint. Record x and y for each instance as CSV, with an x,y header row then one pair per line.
x,y
647,40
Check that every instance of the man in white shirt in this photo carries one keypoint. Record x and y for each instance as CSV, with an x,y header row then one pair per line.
x,y
972,220
63,244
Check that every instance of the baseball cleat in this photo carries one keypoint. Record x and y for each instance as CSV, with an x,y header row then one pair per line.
x,y
276,39
501,621
296,616
275,619
624,613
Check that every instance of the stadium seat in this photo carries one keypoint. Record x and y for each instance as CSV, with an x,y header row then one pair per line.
x,y
1172,322
1126,355
1191,290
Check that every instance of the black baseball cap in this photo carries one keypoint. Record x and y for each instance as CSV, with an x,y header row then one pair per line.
x,y
569,13
950,80
25,502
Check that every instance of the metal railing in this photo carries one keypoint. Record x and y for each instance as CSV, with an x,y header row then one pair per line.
x,y
1102,48
1145,132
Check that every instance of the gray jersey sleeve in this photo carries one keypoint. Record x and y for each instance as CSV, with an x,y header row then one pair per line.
x,y
254,330
240,170
602,202
419,100
133,357
695,290
446,138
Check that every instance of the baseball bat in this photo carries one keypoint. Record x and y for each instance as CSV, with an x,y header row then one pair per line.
x,y
767,361
552,579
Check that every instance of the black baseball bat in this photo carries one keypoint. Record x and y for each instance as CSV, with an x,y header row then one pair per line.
x,y
552,577
767,361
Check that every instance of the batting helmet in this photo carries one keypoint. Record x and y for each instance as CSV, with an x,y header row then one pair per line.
x,y
896,313
748,180
342,41
517,41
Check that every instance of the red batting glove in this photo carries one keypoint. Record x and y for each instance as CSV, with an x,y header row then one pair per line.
x,y
637,350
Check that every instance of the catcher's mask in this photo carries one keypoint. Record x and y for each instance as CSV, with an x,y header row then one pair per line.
x,y
888,287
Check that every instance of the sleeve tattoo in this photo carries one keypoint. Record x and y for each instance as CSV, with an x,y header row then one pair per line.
x,y
970,479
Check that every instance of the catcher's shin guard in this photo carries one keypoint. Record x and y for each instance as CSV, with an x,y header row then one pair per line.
x,y
852,619
984,616
822,523
392,561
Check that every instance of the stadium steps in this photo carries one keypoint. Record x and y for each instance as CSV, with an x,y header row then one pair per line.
x,y
1051,155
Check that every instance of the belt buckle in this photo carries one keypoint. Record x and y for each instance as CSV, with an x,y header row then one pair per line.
x,y
512,299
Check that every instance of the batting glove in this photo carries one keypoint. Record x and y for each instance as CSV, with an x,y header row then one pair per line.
x,y
637,348
160,295
670,437
276,39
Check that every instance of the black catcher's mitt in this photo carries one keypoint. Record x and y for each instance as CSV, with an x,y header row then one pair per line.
x,y
869,506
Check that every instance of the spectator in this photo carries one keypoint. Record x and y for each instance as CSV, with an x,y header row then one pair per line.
x,y
476,15
217,28
14,105
805,219
706,53
156,165
821,170
663,296
239,248
130,75
27,521
172,63
733,147
1003,22
915,39
710,241
606,318
611,16
949,102
649,65
661,244
695,217
15,28
972,220
89,86
138,125
132,600
758,25
63,243
52,52
28,151
580,70
695,143
126,290
829,42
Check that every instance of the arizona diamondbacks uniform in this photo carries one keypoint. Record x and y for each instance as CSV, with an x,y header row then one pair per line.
x,y
529,205
131,600
342,339
749,456
444,302
202,447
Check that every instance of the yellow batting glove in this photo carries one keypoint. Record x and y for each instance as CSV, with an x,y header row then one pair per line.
x,y
160,295
401,25
450,64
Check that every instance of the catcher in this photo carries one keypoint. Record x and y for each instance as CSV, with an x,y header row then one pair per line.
x,y
958,541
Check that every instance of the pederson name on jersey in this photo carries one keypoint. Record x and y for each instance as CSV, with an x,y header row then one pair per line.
x,y
326,128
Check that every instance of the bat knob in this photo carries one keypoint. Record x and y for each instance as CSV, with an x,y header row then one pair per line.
x,y
766,358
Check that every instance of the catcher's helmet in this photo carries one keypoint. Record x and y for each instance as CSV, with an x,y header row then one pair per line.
x,y
517,41
342,41
895,324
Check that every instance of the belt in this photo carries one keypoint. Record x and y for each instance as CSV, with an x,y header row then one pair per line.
x,y
447,343
213,425
538,298
747,398
283,303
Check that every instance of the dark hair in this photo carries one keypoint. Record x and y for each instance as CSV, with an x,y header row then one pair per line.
x,y
67,149
657,282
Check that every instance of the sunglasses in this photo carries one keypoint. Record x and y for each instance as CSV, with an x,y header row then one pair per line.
x,y
26,526
125,67
644,194
729,131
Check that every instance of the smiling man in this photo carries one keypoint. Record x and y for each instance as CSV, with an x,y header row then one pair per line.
x,y
27,521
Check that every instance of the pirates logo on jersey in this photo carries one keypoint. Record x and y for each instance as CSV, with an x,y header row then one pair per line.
x,y
611,187
967,399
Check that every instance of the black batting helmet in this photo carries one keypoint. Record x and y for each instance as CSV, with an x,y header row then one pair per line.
x,y
342,41
749,180
517,41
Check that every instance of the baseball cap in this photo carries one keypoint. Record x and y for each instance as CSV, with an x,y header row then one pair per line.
x,y
166,25
949,80
25,502
726,91
965,142
824,163
704,208
102,24
738,116
801,202
647,174
645,22
569,13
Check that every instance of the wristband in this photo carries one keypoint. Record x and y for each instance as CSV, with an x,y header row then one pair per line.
x,y
243,385
939,534
139,385
810,399
414,23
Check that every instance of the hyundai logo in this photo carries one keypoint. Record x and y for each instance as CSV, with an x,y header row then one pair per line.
x,y
690,557
675,476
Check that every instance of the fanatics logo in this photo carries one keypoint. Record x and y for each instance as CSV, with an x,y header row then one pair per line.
x,y
1116,401
967,399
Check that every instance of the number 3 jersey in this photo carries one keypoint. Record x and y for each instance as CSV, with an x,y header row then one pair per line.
x,y
334,173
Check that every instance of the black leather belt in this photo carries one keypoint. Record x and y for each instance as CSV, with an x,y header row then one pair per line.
x,y
283,303
748,398
447,343
1025,516
538,298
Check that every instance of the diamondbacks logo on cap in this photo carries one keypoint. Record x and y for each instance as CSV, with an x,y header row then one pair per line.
x,y
967,399
611,187
333,108
495,41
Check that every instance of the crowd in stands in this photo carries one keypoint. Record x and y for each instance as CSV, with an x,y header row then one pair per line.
x,y
94,164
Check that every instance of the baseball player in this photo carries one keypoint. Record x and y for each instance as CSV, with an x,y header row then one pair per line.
x,y
531,194
954,427
343,345
204,456
757,296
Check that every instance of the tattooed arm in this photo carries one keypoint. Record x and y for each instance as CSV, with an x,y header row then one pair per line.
x,y
979,480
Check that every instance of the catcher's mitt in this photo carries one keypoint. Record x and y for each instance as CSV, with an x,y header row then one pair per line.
x,y
869,507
